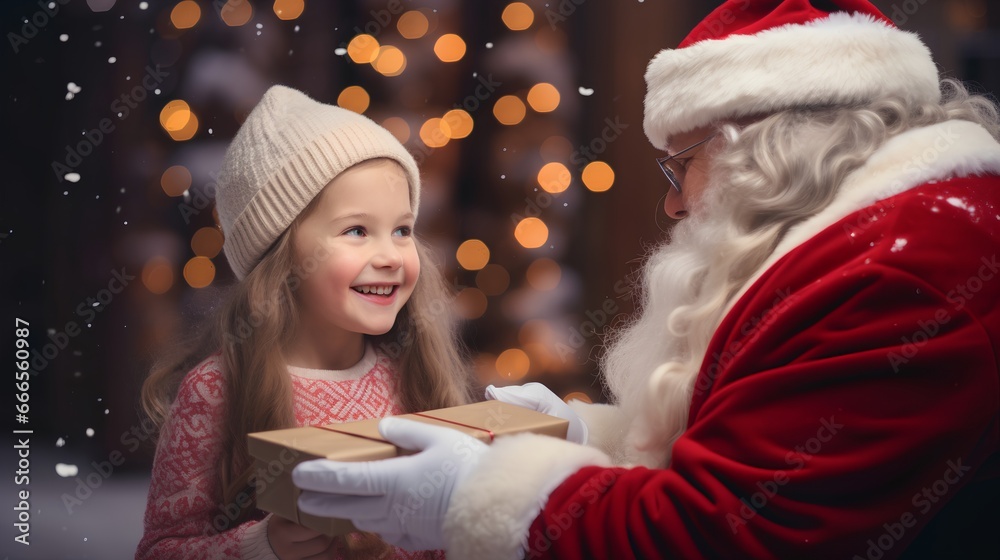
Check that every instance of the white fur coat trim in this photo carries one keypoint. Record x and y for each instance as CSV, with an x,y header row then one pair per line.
x,y
843,58
608,427
938,152
491,511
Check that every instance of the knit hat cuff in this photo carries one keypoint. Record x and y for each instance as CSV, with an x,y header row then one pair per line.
x,y
293,186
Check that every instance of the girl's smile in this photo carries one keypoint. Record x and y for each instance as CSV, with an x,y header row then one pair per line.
x,y
379,294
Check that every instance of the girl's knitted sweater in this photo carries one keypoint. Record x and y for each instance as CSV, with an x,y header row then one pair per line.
x,y
182,514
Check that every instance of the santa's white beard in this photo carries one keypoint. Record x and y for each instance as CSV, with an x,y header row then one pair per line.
x,y
677,317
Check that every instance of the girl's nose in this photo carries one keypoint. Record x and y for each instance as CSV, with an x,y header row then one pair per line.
x,y
387,255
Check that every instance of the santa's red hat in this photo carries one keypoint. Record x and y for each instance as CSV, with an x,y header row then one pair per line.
x,y
753,57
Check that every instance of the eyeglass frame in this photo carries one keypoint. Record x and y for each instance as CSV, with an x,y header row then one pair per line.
x,y
675,182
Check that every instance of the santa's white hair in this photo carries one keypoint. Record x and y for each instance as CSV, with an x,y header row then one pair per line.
x,y
765,178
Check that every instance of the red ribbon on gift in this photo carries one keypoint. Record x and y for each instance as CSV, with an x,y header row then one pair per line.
x,y
488,431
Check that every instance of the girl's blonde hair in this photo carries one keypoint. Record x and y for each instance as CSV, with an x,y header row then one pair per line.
x,y
251,328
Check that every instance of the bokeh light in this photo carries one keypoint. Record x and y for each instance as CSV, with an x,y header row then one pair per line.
x,y
398,127
354,98
544,274
363,49
412,25
534,331
236,12
199,272
390,61
98,6
174,115
578,396
288,9
185,15
556,148
493,279
472,254
554,177
531,233
598,176
433,134
509,110
457,124
543,97
189,130
178,121
518,16
207,242
540,357
513,364
449,48
471,303
158,275
175,180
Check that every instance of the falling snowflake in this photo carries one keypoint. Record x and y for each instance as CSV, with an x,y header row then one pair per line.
x,y
64,470
73,89
586,92
898,245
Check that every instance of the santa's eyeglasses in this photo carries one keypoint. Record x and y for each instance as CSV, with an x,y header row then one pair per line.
x,y
672,176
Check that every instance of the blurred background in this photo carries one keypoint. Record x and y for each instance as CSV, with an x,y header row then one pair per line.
x,y
540,191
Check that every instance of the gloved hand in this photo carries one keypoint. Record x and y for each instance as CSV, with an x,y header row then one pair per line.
x,y
538,397
403,499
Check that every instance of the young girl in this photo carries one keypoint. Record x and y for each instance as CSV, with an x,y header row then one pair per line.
x,y
328,323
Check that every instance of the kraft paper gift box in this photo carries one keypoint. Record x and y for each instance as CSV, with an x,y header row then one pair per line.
x,y
278,451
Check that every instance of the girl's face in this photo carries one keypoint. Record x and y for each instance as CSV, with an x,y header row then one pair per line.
x,y
355,252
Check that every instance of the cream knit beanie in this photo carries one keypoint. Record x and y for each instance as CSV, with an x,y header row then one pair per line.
x,y
287,150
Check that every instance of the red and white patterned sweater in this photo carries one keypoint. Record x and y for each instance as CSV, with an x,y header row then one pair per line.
x,y
180,508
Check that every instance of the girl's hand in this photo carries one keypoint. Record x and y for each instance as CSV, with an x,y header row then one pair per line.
x,y
291,541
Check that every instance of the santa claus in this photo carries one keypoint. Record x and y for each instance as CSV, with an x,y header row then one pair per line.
x,y
814,369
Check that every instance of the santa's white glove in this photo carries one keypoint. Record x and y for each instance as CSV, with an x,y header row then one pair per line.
x,y
538,397
403,499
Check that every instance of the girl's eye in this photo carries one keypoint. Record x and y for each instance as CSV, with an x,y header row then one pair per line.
x,y
404,231
356,231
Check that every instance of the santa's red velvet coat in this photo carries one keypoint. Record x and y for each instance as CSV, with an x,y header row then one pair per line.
x,y
847,405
